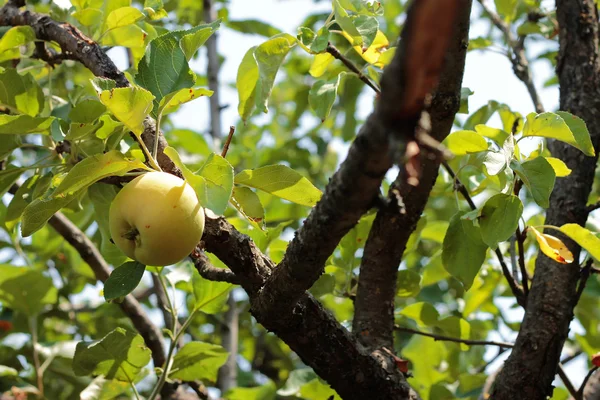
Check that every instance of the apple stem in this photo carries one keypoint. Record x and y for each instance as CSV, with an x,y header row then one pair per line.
x,y
132,234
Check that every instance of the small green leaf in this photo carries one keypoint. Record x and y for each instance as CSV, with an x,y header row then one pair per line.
x,y
253,26
538,175
123,280
39,211
322,95
88,16
269,57
497,135
24,124
424,314
464,100
25,290
561,126
499,218
586,239
281,181
506,9
198,361
122,17
247,78
456,327
346,23
482,115
559,167
172,101
130,105
465,142
22,197
120,355
87,111
20,93
13,39
463,251
209,296
265,392
193,39
94,168
8,177
408,283
249,204
479,43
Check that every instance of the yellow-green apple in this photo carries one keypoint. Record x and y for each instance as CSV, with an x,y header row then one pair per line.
x,y
156,219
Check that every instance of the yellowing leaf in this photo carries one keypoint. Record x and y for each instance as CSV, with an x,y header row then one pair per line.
x,y
374,51
553,247
320,64
130,105
560,168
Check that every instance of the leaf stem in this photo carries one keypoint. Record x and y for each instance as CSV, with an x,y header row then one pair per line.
x,y
36,357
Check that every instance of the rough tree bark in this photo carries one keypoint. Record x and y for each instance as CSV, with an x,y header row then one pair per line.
x,y
529,371
374,306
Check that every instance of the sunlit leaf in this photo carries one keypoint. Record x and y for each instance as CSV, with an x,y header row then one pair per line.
x,y
198,361
561,126
322,95
130,105
209,296
553,247
465,142
499,218
122,17
586,239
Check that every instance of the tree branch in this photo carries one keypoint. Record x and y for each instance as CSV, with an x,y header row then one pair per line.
x,y
374,305
457,340
212,273
532,365
331,49
518,58
354,187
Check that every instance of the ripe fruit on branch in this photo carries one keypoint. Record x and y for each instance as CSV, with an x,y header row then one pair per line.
x,y
156,219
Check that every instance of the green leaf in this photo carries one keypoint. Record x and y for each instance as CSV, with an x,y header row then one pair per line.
x,y
13,39
102,196
102,389
130,105
561,126
586,239
464,100
499,218
465,142
506,8
424,314
218,175
249,204
538,175
8,144
482,115
253,26
265,392
22,197
494,162
479,43
463,250
87,111
425,355
122,17
39,211
123,280
198,361
95,168
26,290
497,135
322,95
318,389
209,296
296,380
347,24
559,167
8,177
213,183
24,124
119,355
269,57
88,16
164,68
20,93
408,283
456,327
281,181
172,101
313,42
246,81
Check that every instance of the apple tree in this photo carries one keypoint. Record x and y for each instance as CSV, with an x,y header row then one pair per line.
x,y
423,249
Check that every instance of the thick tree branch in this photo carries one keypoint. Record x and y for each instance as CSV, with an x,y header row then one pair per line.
x,y
393,225
529,371
210,272
355,186
517,56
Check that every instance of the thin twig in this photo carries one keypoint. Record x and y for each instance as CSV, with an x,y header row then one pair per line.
x,y
568,383
593,207
585,273
452,339
585,381
228,141
331,49
571,357
514,286
518,57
